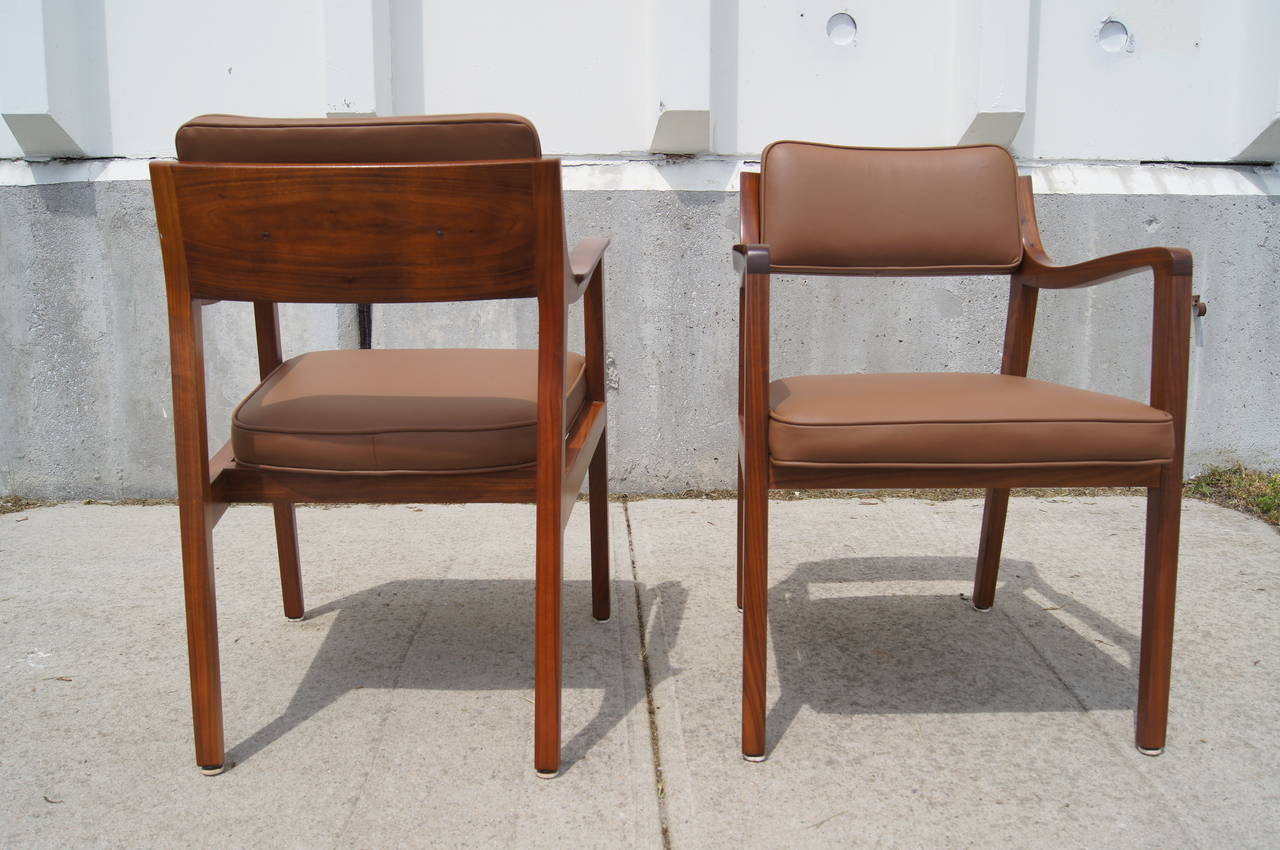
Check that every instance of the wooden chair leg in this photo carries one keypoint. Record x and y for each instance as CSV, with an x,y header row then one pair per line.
x,y
992,539
1164,516
547,637
755,616
740,546
598,477
287,549
196,521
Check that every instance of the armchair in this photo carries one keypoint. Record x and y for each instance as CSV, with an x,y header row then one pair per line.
x,y
441,208
826,210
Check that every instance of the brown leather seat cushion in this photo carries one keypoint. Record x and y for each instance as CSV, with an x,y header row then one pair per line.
x,y
958,419
445,410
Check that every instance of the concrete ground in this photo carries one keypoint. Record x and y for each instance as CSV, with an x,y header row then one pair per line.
x,y
399,713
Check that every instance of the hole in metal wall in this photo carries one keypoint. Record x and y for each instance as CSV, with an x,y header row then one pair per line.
x,y
842,29
1113,36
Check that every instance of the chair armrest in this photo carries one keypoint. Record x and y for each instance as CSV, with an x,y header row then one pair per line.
x,y
1171,319
1041,272
585,256
749,206
751,259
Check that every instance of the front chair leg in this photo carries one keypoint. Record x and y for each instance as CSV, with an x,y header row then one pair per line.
x,y
1164,515
992,539
598,479
740,545
547,650
287,550
755,617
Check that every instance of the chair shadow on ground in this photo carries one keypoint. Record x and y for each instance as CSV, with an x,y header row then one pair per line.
x,y
471,635
841,648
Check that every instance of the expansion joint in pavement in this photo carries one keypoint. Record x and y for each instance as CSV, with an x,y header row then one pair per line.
x,y
658,781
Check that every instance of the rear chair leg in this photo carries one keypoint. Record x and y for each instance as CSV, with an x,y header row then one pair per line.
x,y
992,538
202,633
598,478
287,549
547,643
1164,515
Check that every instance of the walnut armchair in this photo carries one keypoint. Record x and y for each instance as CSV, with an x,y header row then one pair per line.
x,y
825,210
441,208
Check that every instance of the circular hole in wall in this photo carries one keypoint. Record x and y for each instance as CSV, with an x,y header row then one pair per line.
x,y
841,28
1114,36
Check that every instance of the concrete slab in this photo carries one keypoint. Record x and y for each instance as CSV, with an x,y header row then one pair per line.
x,y
398,713
899,716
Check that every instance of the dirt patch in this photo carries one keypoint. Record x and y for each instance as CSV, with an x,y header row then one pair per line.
x,y
17,504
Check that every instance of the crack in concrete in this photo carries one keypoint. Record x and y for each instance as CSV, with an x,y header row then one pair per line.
x,y
659,786
380,733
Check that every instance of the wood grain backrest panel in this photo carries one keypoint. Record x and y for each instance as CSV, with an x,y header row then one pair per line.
x,y
361,233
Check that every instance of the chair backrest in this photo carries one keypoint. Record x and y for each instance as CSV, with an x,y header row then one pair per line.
x,y
826,209
423,138
360,210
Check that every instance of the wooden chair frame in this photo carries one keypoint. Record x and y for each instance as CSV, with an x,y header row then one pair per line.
x,y
1169,365
215,252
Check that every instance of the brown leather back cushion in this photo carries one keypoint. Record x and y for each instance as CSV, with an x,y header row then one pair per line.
x,y
426,138
826,208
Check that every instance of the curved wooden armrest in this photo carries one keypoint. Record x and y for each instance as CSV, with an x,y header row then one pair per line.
x,y
751,259
1171,320
1040,272
585,256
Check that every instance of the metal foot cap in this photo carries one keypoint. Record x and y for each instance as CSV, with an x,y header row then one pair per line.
x,y
598,620
1151,752
986,610
753,759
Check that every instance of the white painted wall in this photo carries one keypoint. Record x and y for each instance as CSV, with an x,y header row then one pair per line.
x,y
1197,80
1200,79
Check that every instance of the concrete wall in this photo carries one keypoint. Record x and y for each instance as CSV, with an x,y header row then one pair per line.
x,y
84,394
84,390
1090,95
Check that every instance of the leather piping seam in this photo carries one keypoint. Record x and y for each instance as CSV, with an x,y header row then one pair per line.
x,y
854,271
1052,464
907,423
331,127
378,473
